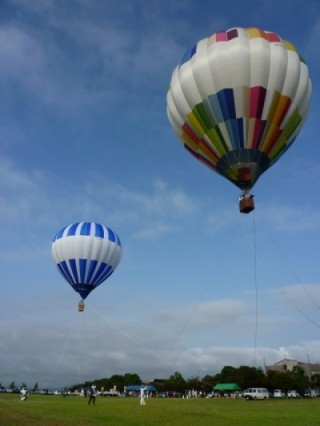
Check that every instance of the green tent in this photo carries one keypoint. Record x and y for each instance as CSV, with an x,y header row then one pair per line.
x,y
227,387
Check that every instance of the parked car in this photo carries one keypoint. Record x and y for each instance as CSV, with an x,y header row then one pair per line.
x,y
293,394
255,393
278,393
169,394
309,393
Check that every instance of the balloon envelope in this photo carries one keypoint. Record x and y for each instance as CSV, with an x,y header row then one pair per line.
x,y
86,254
238,100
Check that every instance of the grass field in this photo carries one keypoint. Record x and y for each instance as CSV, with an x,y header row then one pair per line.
x,y
74,411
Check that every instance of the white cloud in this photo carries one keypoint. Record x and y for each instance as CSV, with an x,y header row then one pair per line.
x,y
304,294
50,344
55,357
23,196
22,55
38,199
154,231
218,221
292,218
75,61
156,210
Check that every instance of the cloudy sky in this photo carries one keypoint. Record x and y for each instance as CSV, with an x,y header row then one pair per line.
x,y
84,136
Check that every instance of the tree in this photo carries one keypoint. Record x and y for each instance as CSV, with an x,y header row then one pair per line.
x,y
300,380
176,383
35,387
208,383
227,375
280,380
131,379
315,381
117,380
195,383
247,377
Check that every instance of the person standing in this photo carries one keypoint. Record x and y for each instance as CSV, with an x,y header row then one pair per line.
x,y
24,394
142,401
92,395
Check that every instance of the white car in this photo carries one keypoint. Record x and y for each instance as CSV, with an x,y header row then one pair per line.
x,y
255,393
278,393
293,394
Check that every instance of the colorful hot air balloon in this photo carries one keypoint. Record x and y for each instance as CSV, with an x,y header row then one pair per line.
x,y
238,100
86,254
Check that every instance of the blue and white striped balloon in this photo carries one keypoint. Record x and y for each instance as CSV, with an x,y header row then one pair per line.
x,y
86,254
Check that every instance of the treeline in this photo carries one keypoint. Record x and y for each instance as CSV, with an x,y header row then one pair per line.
x,y
14,388
244,376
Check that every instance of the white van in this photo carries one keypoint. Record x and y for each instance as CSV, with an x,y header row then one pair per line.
x,y
256,393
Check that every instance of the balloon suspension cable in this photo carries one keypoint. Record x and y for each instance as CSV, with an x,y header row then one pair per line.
x,y
246,203
81,306
253,244
256,290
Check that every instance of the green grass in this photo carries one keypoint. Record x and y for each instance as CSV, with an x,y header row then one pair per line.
x,y
74,411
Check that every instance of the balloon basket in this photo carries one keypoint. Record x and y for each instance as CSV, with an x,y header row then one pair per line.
x,y
81,307
246,205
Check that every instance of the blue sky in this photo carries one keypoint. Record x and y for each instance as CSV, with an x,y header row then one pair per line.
x,y
84,136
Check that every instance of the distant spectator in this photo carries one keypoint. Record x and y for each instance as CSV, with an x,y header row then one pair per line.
x,y
24,394
92,395
142,401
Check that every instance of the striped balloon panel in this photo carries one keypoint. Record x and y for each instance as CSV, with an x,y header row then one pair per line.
x,y
83,275
88,229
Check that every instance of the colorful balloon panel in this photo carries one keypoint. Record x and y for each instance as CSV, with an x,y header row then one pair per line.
x,y
238,100
86,254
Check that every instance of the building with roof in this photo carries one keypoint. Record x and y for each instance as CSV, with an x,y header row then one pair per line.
x,y
287,365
